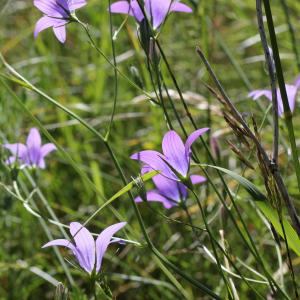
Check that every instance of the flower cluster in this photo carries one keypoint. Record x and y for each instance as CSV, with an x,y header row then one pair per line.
x,y
174,164
58,13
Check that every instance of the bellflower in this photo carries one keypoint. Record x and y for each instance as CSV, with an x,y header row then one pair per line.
x,y
168,191
291,90
87,251
57,13
174,163
156,10
31,154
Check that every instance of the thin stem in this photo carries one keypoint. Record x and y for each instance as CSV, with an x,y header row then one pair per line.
x,y
147,238
273,167
116,76
120,171
132,83
272,75
253,247
212,241
291,31
288,117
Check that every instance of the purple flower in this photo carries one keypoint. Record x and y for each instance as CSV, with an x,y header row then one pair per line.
x,y
291,90
88,252
156,10
33,153
57,13
168,191
174,163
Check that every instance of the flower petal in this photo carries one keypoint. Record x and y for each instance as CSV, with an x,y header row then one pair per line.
x,y
197,179
173,149
17,149
180,7
47,148
67,244
60,32
11,160
297,82
103,241
155,160
120,7
75,4
259,93
136,10
155,196
61,242
41,163
291,91
85,244
42,24
169,188
191,139
124,7
158,10
49,8
34,139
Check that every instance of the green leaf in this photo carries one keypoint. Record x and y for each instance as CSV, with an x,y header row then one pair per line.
x,y
249,186
269,212
124,190
292,237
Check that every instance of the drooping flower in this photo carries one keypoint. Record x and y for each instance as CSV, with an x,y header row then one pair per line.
x,y
174,163
33,153
57,13
169,192
87,251
291,90
156,10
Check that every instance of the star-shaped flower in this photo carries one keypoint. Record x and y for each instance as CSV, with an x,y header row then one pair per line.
x,y
88,252
174,163
33,153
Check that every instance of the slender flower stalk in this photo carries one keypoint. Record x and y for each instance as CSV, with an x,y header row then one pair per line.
x,y
288,117
32,154
275,96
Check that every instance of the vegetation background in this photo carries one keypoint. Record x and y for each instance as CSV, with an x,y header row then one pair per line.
x,y
81,80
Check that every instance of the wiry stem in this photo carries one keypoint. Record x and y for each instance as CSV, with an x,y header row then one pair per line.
x,y
292,32
288,117
273,168
272,74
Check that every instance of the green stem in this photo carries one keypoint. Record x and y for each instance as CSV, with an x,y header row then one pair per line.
x,y
288,117
115,74
147,238
292,32
212,241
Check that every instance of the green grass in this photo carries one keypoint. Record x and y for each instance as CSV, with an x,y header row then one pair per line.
x,y
81,176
